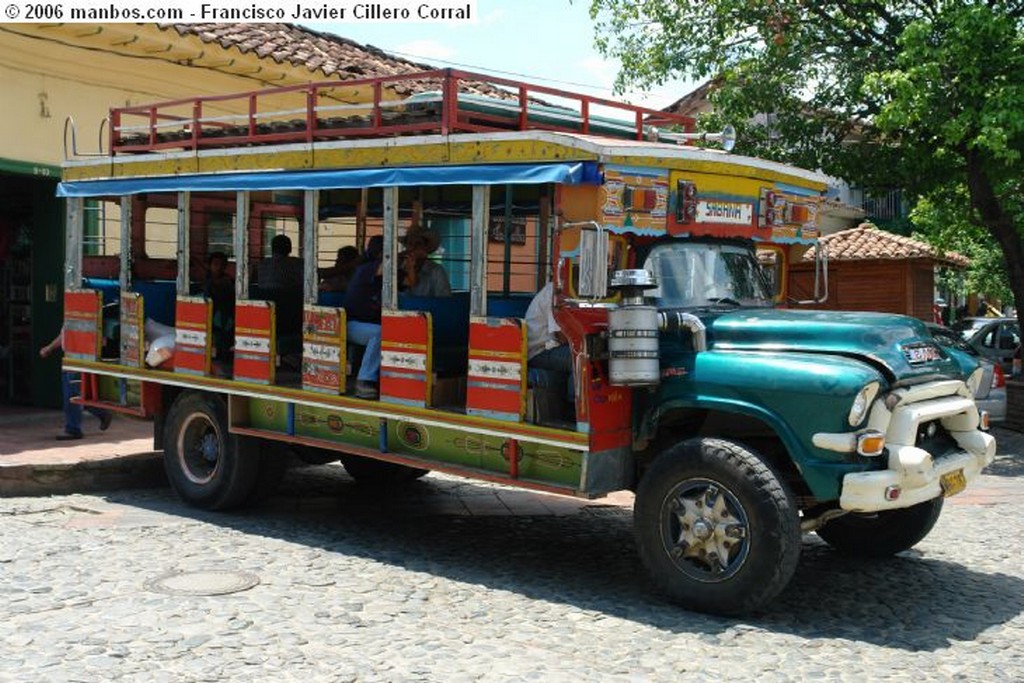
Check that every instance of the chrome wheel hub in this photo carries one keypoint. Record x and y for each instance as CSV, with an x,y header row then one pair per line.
x,y
199,448
705,530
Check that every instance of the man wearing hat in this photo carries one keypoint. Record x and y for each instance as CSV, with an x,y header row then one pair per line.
x,y
418,275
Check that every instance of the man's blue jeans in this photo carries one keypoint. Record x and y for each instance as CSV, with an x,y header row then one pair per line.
x,y
71,385
368,335
557,360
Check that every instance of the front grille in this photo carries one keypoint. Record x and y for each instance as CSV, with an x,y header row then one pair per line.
x,y
933,437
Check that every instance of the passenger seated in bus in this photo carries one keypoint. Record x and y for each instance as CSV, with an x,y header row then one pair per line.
x,y
337,277
418,275
281,271
363,308
546,345
219,288
280,280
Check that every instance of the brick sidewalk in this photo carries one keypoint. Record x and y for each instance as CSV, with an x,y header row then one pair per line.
x,y
33,462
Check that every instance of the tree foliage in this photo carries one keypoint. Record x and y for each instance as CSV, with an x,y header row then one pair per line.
x,y
939,219
922,95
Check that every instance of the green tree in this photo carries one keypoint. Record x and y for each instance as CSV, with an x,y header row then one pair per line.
x,y
922,95
939,219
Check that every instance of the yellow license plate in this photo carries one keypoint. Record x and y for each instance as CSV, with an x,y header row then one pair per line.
x,y
952,483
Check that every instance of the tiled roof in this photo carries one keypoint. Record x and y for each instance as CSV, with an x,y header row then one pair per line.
x,y
867,242
694,102
325,55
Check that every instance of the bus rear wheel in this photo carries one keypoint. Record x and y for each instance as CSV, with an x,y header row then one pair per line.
x,y
203,461
715,527
378,472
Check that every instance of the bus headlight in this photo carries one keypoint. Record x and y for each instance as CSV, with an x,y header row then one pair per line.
x,y
861,403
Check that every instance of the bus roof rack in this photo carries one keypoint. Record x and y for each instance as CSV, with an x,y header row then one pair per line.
x,y
444,102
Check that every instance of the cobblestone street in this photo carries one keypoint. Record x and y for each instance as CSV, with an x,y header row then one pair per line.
x,y
457,581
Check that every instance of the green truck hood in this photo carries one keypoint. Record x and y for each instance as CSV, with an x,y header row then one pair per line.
x,y
897,343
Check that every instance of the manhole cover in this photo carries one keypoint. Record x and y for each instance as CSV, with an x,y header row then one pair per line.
x,y
208,582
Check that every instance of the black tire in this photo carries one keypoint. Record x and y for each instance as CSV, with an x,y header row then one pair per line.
x,y
715,527
378,472
204,463
274,459
316,456
882,534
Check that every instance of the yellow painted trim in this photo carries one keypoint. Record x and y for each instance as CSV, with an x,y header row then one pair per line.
x,y
428,154
721,168
491,355
404,345
528,432
439,151
509,151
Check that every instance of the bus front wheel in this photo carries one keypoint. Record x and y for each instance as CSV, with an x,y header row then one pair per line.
x,y
715,527
203,461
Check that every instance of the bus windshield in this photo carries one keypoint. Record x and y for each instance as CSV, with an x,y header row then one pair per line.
x,y
693,274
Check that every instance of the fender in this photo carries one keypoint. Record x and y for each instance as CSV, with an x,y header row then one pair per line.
x,y
794,394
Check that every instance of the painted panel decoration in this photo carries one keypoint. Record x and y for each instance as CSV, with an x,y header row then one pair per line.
x,y
83,324
406,363
634,199
255,342
496,381
791,216
193,341
323,349
133,339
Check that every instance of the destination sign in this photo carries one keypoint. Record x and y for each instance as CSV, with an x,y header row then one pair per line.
x,y
732,213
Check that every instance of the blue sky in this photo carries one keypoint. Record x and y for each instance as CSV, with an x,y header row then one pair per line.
x,y
533,39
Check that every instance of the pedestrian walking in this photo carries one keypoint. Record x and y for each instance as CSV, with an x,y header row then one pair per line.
x,y
71,386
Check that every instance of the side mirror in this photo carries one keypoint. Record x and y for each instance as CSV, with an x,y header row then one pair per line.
x,y
593,267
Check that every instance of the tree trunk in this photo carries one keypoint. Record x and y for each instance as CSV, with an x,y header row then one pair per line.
x,y
999,223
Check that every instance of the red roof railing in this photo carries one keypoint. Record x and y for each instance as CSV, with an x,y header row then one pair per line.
x,y
361,109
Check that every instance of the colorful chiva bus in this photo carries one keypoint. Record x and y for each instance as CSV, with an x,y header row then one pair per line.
x,y
737,424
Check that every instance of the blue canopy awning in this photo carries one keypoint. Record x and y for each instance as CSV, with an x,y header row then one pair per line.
x,y
570,173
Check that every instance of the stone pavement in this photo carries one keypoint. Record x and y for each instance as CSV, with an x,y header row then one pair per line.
x,y
447,582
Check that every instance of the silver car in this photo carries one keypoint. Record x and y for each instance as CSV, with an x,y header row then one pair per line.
x,y
991,394
994,338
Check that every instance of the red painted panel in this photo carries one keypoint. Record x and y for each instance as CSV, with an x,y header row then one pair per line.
x,y
496,381
406,367
323,349
83,323
133,340
193,335
255,342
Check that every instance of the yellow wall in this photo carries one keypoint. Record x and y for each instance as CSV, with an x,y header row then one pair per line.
x,y
82,76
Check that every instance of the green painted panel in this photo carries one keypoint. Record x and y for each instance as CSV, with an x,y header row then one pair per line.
x,y
337,426
449,445
538,462
269,415
125,392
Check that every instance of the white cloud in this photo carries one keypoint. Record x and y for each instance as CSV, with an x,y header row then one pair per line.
x,y
426,49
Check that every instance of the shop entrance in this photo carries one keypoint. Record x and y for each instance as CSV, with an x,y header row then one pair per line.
x,y
31,258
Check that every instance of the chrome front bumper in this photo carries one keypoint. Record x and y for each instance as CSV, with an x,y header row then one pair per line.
x,y
912,471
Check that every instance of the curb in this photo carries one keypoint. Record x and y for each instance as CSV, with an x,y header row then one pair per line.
x,y
142,470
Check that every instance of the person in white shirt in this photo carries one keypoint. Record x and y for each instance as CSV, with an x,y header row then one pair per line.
x,y
546,345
